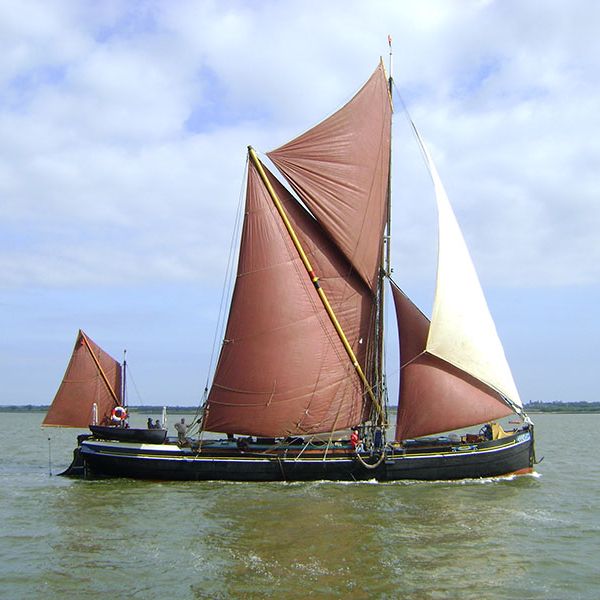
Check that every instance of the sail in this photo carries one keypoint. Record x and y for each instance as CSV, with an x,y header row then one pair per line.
x,y
435,396
92,376
462,330
340,168
351,299
282,368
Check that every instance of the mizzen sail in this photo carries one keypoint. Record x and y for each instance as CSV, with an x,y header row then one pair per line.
x,y
435,395
453,370
339,169
92,377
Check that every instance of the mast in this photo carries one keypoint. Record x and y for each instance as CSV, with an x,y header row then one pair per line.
x,y
124,386
385,269
388,227
315,280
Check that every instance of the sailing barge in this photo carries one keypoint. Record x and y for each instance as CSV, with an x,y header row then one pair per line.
x,y
302,359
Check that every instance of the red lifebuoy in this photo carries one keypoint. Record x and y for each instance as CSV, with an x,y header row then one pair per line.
x,y
118,413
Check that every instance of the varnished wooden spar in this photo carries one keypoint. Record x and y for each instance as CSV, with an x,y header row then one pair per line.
x,y
315,280
100,370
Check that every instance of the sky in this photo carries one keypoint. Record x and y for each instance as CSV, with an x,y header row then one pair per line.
x,y
123,134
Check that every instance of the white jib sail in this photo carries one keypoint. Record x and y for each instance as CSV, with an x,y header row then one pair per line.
x,y
462,330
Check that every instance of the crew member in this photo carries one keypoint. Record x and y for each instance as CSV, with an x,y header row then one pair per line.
x,y
181,429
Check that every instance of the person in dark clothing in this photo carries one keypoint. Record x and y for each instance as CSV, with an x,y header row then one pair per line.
x,y
378,440
486,432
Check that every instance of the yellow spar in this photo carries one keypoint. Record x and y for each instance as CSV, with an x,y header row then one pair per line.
x,y
256,162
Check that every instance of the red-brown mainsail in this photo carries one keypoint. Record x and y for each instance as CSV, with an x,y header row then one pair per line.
x,y
282,369
92,377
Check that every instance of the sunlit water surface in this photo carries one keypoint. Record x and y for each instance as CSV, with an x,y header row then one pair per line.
x,y
526,537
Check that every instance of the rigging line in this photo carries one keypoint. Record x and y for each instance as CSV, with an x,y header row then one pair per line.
x,y
337,416
192,426
408,362
415,131
228,279
304,448
519,410
135,387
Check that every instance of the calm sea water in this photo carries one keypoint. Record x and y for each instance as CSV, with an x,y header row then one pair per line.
x,y
528,537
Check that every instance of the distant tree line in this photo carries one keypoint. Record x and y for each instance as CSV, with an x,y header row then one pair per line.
x,y
23,408
563,407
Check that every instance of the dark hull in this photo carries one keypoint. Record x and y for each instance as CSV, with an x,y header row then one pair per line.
x,y
122,434
223,461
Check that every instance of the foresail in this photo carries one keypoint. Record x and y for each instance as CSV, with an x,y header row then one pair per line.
x,y
282,368
92,377
462,331
434,395
340,168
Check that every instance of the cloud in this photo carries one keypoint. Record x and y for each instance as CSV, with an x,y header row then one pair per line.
x,y
132,120
123,129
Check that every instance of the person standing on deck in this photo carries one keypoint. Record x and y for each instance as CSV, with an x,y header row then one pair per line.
x,y
181,429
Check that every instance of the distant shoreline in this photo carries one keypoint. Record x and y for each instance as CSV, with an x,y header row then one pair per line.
x,y
532,408
151,410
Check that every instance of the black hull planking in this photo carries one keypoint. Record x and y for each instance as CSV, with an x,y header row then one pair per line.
x,y
514,454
